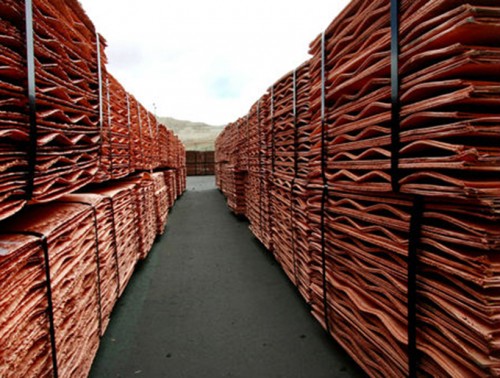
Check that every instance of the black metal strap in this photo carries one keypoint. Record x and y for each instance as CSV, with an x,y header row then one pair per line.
x,y
97,255
50,305
395,95
31,76
413,264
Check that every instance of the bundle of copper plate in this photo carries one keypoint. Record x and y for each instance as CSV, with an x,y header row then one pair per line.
x,y
64,264
69,231
448,63
200,163
231,166
24,327
126,228
115,160
144,193
300,225
283,173
161,201
14,122
67,133
169,180
107,250
66,70
252,189
87,127
356,188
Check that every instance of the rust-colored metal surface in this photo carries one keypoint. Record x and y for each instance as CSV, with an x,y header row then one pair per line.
x,y
386,219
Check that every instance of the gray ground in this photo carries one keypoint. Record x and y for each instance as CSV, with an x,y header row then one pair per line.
x,y
210,301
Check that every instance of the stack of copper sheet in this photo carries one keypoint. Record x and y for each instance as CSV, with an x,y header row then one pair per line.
x,y
67,134
301,225
70,233
164,145
169,181
267,149
458,281
161,201
200,163
104,173
261,226
14,123
24,327
107,249
352,229
364,284
86,127
119,130
448,63
252,189
230,168
125,212
67,99
283,173
144,192
236,189
63,264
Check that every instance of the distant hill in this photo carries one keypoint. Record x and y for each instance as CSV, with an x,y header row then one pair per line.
x,y
196,136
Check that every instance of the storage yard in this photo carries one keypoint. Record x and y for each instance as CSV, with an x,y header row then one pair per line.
x,y
355,231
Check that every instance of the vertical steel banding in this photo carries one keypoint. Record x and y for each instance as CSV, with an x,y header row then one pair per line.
x,y
31,78
395,95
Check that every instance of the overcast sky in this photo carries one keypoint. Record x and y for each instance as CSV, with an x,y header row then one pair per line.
x,y
206,60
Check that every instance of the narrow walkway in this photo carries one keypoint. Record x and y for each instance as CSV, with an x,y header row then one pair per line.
x,y
210,301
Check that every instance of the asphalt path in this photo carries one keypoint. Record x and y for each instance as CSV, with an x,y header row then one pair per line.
x,y
210,301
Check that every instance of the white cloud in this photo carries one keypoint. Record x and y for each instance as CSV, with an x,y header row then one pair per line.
x,y
206,60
